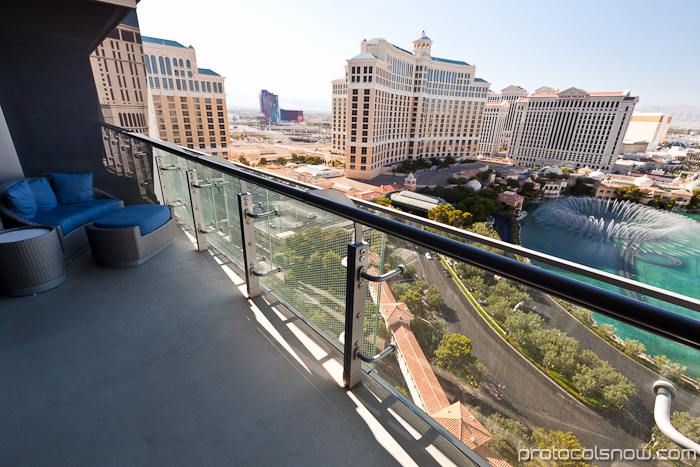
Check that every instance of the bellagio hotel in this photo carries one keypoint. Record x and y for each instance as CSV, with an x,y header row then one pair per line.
x,y
393,105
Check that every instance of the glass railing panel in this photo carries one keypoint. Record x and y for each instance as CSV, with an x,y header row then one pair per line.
x,y
225,205
522,364
308,244
176,181
667,265
212,212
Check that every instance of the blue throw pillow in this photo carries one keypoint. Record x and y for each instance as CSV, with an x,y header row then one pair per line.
x,y
20,199
43,194
72,188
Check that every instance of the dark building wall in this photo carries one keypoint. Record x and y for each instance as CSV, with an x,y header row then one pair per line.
x,y
47,90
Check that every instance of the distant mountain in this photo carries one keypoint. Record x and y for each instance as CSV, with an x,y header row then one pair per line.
x,y
684,116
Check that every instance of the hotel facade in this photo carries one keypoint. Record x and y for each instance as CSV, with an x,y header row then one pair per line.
x,y
120,77
393,105
511,94
573,128
189,102
495,115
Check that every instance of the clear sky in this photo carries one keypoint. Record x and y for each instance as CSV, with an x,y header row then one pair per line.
x,y
295,48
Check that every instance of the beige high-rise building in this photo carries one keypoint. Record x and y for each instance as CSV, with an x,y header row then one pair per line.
x,y
511,94
648,127
393,105
495,114
120,77
189,102
573,128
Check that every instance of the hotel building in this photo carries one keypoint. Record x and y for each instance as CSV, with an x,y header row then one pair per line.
x,y
189,102
394,105
495,115
648,127
573,128
511,94
120,77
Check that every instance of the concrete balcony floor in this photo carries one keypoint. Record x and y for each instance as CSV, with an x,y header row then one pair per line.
x,y
169,364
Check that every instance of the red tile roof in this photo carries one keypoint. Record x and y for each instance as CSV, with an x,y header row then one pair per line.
x,y
425,380
490,457
461,423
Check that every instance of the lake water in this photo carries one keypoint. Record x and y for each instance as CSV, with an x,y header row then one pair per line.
x,y
673,265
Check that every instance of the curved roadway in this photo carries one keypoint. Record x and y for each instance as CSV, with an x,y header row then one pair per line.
x,y
516,389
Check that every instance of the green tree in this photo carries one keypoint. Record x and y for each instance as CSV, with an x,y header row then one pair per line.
x,y
629,193
559,440
635,347
455,355
243,160
263,161
281,160
447,214
383,201
435,300
413,298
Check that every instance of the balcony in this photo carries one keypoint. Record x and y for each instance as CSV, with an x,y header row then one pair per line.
x,y
170,364
236,336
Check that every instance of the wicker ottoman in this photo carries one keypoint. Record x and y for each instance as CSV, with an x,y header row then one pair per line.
x,y
32,261
131,236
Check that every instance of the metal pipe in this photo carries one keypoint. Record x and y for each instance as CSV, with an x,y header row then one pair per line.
x,y
203,185
667,324
263,274
377,357
665,391
168,167
399,270
261,215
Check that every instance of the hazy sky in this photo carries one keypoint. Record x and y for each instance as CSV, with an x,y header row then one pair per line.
x,y
295,48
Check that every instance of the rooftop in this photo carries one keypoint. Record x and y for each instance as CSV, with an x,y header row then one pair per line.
x,y
207,71
168,42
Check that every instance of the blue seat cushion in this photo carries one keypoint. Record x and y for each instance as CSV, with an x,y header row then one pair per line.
x,y
71,216
148,217
43,194
72,188
20,199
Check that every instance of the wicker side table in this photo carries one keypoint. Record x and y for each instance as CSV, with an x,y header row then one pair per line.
x,y
31,261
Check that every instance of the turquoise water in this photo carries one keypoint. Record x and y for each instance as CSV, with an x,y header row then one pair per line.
x,y
672,266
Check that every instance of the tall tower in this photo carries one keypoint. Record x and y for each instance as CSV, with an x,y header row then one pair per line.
x,y
421,46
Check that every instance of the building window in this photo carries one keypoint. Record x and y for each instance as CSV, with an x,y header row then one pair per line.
x,y
162,65
148,65
188,64
167,67
181,63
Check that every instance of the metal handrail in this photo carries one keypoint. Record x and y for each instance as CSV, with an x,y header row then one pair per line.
x,y
565,265
399,270
263,214
377,357
656,320
267,273
203,185
665,391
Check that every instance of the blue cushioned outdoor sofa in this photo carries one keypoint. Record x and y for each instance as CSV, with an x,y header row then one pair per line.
x,y
67,202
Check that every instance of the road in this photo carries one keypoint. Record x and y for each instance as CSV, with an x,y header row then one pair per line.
x,y
518,390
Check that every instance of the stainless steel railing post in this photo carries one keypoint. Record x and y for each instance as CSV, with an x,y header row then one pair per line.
x,y
197,214
356,288
250,256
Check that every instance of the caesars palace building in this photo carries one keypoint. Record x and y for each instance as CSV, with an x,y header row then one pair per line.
x,y
573,127
394,105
